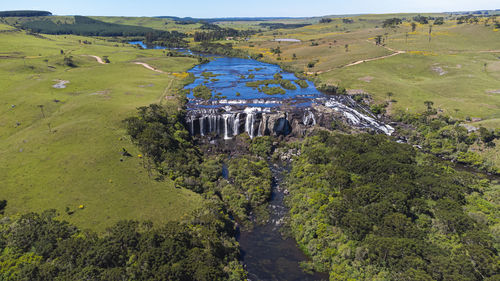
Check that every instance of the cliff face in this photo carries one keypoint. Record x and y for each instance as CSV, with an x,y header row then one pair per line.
x,y
231,120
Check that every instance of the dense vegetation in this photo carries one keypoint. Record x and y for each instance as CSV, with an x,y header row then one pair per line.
x,y
216,32
366,208
263,85
219,49
165,142
39,247
448,138
283,25
202,92
28,13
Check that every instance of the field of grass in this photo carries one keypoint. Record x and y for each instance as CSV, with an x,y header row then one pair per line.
x,y
61,148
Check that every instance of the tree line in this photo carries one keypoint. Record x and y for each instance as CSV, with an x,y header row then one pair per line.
x,y
216,33
86,26
27,13
40,247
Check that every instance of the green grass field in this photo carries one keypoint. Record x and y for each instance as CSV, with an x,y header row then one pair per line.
x,y
77,161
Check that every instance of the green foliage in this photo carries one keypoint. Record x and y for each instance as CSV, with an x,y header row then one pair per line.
x,y
272,90
256,84
261,146
287,84
421,19
208,74
88,27
445,137
68,61
202,92
366,208
331,89
162,137
38,247
378,108
219,49
302,83
27,13
439,21
218,33
251,177
283,25
3,204
392,22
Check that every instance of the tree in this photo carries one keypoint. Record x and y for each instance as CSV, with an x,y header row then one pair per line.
x,y
413,27
69,61
486,135
3,204
429,104
392,22
439,21
41,109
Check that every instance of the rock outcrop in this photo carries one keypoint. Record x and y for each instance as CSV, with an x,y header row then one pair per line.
x,y
229,121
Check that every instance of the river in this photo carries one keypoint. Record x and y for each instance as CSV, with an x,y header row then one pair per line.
x,y
236,108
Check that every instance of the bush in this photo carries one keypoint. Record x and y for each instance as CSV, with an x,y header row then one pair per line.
x,y
202,92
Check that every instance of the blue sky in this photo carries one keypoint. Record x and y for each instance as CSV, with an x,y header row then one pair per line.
x,y
246,8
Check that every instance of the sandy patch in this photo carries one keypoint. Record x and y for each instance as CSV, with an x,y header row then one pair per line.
x,y
146,86
366,79
61,84
101,93
439,70
493,91
356,92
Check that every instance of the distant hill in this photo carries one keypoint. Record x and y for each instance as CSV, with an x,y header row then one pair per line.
x,y
197,20
26,13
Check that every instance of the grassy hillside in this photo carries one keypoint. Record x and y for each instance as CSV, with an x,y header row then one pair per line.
x,y
70,154
155,23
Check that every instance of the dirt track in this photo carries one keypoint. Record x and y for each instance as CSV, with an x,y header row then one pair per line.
x,y
150,67
98,59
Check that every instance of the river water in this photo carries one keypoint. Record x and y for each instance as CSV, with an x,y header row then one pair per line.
x,y
266,253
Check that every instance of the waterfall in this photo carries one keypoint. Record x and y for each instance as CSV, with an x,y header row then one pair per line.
x,y
192,126
250,120
236,125
249,124
308,117
226,132
226,122
259,130
202,127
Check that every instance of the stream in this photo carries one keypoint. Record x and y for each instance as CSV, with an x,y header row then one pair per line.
x,y
266,254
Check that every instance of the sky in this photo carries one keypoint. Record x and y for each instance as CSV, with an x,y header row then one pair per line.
x,y
246,8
